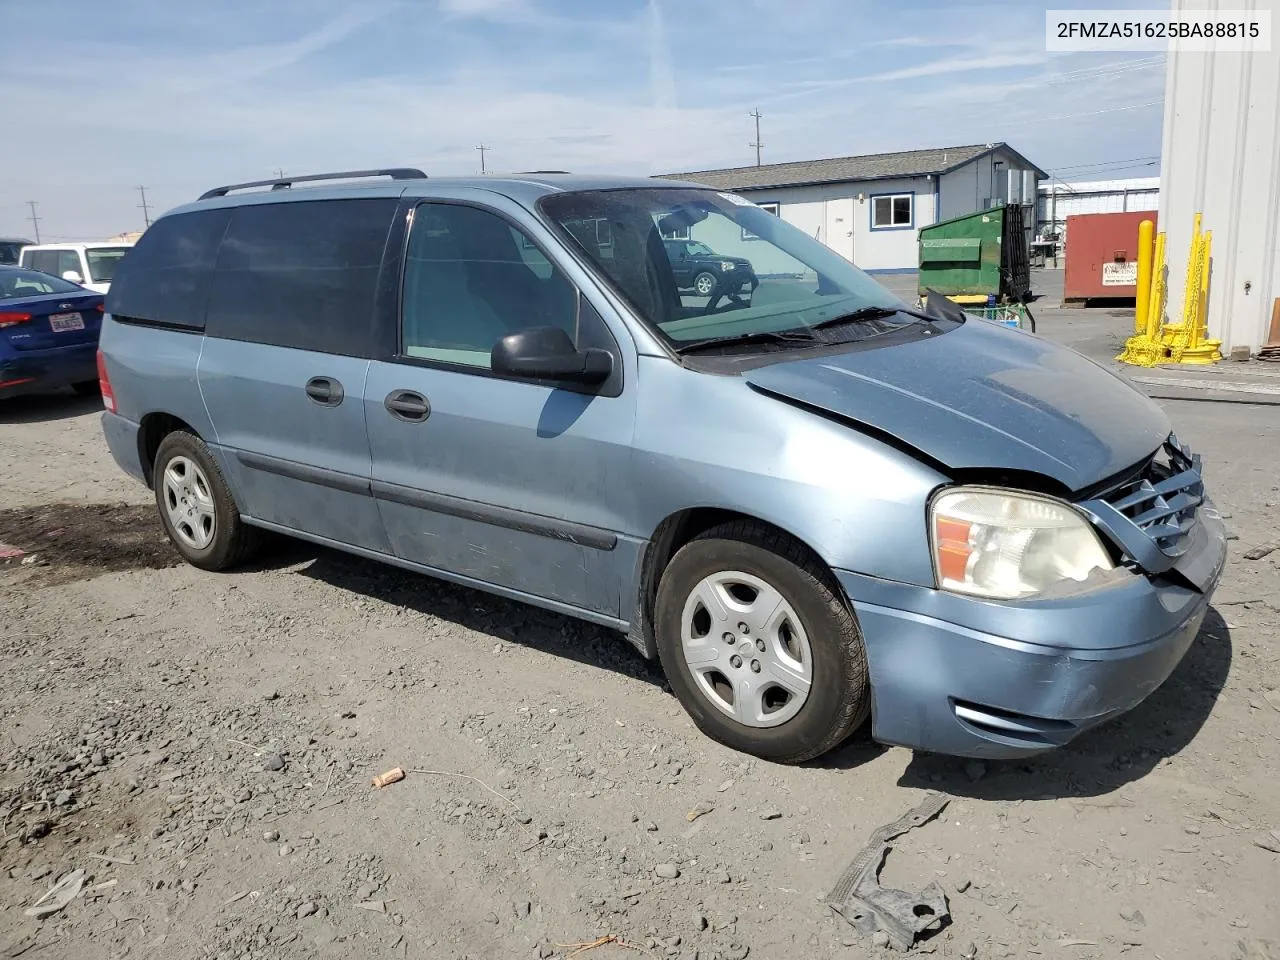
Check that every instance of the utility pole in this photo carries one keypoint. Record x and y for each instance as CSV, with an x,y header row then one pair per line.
x,y
146,212
757,144
35,221
482,148
279,173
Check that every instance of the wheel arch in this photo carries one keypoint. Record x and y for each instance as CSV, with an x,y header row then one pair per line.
x,y
152,429
668,537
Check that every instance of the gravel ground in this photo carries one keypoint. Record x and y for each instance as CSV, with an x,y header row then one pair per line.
x,y
202,747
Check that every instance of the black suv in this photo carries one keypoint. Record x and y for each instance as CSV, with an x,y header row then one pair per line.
x,y
699,268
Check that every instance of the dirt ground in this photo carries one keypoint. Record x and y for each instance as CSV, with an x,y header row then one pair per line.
x,y
201,746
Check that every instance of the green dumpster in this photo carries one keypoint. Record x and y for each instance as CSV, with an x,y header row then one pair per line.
x,y
980,257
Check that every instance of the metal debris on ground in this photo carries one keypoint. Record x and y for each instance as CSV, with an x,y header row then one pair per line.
x,y
57,896
902,916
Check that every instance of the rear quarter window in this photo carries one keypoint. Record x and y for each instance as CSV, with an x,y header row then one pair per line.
x,y
46,261
165,278
301,274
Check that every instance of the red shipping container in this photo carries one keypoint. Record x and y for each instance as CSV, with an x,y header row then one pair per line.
x,y
1102,254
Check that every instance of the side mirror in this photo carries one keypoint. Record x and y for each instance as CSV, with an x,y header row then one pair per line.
x,y
547,353
72,276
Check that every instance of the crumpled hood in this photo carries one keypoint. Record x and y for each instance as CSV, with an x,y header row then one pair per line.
x,y
982,396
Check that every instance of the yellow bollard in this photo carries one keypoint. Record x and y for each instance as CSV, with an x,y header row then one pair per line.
x,y
1191,290
1194,345
1146,231
1145,348
1155,302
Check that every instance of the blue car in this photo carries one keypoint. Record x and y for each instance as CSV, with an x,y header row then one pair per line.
x,y
813,507
48,333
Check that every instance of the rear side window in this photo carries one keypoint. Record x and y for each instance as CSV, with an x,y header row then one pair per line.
x,y
46,261
165,278
301,274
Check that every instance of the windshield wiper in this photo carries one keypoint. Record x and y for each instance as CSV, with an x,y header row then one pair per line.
x,y
801,337
861,315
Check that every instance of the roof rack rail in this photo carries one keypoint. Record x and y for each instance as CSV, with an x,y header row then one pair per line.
x,y
284,183
525,173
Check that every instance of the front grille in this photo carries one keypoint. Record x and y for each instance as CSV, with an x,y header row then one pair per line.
x,y
1162,502
1151,513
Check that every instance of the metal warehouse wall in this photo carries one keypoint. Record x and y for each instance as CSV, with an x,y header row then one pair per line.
x,y
1222,157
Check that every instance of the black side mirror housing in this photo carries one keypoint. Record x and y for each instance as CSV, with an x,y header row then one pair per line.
x,y
547,353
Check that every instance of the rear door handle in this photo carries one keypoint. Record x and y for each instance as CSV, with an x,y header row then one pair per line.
x,y
407,405
325,391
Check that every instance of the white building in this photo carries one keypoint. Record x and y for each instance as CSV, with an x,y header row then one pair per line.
x,y
1221,157
1059,200
870,208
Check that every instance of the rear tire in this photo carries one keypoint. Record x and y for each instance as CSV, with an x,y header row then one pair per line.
x,y
86,388
794,684
196,506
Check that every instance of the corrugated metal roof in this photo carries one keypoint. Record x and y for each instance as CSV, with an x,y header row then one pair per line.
x,y
874,166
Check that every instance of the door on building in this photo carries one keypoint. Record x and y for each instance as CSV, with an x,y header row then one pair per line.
x,y
839,227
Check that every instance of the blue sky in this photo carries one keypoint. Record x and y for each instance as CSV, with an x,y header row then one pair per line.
x,y
180,95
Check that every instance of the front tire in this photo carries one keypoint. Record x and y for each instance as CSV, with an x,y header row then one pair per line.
x,y
705,283
759,646
196,506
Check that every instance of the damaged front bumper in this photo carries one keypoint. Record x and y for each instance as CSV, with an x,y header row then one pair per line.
x,y
968,677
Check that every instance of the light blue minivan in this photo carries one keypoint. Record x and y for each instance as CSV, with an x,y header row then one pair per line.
x,y
813,502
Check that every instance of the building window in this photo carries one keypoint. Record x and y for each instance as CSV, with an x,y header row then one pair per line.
x,y
893,211
767,208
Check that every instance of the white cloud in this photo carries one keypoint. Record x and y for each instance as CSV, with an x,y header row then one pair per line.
x,y
483,8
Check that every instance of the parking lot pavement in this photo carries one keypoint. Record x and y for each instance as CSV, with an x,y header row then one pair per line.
x,y
202,747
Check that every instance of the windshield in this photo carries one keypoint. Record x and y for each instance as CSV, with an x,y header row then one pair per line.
x,y
103,262
789,282
31,283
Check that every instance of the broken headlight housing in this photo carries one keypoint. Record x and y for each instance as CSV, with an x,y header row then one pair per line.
x,y
1004,545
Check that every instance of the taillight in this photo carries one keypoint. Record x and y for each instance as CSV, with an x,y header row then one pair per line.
x,y
9,318
104,384
101,308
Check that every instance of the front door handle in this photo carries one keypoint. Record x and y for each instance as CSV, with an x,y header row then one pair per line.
x,y
325,391
407,405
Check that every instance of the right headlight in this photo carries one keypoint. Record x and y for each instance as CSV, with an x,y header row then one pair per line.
x,y
1005,545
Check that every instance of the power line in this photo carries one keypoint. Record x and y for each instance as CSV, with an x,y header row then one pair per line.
x,y
35,221
146,212
758,145
1135,161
